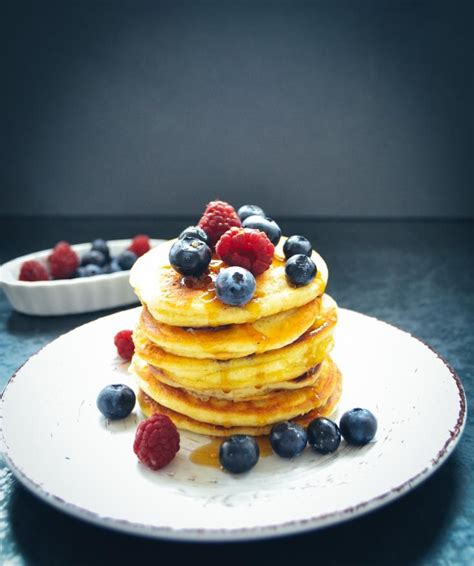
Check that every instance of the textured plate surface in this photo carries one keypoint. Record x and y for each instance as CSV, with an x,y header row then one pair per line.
x,y
84,465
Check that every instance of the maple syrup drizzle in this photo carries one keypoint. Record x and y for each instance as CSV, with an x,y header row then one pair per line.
x,y
208,454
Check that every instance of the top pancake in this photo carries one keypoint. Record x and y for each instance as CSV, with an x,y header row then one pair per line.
x,y
185,301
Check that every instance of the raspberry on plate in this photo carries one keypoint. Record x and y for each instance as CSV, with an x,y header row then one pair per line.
x,y
218,217
63,261
140,245
124,343
33,270
250,249
156,441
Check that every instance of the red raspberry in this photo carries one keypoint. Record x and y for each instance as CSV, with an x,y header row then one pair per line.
x,y
156,441
63,262
218,217
247,248
124,343
140,245
33,270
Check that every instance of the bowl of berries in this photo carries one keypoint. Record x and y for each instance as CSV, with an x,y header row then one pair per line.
x,y
72,279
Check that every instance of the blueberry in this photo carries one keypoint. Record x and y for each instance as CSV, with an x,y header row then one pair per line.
x,y
288,439
297,245
93,257
112,267
239,453
116,401
267,225
100,245
126,260
194,232
300,269
235,286
249,210
358,426
324,435
88,270
190,256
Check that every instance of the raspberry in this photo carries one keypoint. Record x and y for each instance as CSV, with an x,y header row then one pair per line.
x,y
218,217
63,262
140,245
33,270
124,343
247,248
156,441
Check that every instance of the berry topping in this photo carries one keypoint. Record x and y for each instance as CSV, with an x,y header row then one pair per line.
x,y
156,441
190,256
239,453
358,426
246,248
126,260
235,286
194,232
324,435
249,210
63,261
89,270
140,245
300,270
100,245
288,439
297,245
112,267
124,343
33,270
116,401
218,217
267,225
93,257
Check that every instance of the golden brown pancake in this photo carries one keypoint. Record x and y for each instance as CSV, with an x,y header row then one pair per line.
x,y
234,340
179,301
149,406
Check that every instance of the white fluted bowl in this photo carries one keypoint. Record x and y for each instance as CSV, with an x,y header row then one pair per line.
x,y
68,296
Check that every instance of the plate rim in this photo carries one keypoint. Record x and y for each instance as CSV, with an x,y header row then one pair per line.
x,y
243,533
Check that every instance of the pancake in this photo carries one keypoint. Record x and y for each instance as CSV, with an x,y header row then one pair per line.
x,y
235,340
244,393
149,406
270,367
182,301
261,411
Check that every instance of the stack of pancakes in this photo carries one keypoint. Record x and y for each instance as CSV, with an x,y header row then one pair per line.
x,y
220,370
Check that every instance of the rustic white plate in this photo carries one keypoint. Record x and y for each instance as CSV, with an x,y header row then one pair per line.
x,y
59,446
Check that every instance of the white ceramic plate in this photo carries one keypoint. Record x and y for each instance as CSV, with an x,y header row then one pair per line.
x,y
58,445
68,296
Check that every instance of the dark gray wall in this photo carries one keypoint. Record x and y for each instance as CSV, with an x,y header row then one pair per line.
x,y
326,108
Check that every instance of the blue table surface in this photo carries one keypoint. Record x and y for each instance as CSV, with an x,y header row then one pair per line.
x,y
416,275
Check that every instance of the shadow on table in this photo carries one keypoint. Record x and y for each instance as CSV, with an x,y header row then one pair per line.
x,y
404,532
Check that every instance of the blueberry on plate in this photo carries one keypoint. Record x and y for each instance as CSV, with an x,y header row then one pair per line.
x,y
249,210
239,453
93,257
101,246
89,270
264,224
116,401
324,435
235,286
112,267
190,256
297,245
126,260
300,269
194,232
288,439
358,426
